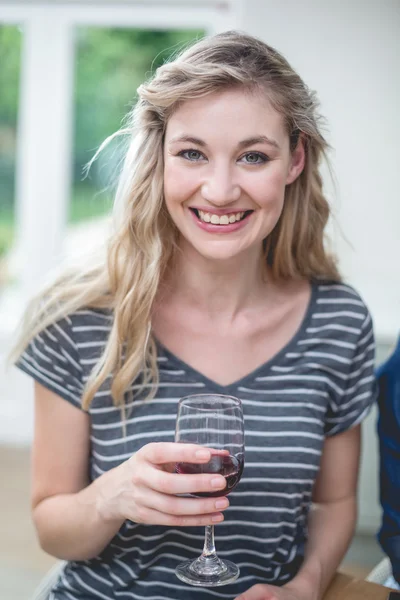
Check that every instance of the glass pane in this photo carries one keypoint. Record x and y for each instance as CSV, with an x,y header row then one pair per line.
x,y
10,55
111,64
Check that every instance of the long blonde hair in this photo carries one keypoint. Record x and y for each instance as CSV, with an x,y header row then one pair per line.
x,y
143,243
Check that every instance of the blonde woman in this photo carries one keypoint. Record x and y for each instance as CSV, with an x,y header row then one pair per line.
x,y
217,281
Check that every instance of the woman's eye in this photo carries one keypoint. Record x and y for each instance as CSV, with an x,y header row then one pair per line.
x,y
254,158
193,155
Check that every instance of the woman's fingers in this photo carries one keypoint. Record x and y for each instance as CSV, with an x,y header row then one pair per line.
x,y
174,483
174,505
147,515
161,453
156,494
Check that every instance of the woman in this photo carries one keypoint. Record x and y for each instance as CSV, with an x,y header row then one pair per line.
x,y
217,280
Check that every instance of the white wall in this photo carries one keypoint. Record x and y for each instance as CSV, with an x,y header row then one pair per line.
x,y
349,52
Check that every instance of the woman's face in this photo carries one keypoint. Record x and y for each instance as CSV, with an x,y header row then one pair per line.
x,y
227,163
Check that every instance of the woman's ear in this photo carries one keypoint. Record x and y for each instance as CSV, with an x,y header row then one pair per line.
x,y
297,161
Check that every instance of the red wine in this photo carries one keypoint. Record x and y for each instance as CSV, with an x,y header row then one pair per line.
x,y
230,467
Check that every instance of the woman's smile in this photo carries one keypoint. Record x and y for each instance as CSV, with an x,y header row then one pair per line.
x,y
222,221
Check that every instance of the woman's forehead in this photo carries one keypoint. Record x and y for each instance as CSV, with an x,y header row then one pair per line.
x,y
235,113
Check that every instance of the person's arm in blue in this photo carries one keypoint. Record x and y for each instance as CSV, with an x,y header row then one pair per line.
x,y
389,444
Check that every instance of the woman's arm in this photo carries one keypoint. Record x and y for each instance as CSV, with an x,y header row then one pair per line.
x,y
333,516
76,519
63,503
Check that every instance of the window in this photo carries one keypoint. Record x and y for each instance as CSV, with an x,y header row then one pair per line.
x,y
110,65
10,53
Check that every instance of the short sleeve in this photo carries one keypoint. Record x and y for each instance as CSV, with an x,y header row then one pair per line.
x,y
52,359
360,391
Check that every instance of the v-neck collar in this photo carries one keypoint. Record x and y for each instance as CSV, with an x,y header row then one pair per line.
x,y
228,389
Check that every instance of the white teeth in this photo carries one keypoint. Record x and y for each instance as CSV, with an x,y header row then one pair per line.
x,y
220,220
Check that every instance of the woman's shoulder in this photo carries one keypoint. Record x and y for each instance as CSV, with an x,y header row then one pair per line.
x,y
341,298
76,330
90,318
84,319
59,355
88,325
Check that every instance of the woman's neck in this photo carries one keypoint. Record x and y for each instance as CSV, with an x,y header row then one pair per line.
x,y
218,288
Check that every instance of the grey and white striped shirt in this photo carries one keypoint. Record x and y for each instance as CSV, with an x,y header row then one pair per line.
x,y
320,384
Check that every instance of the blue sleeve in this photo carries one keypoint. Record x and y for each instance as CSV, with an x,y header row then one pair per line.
x,y
389,446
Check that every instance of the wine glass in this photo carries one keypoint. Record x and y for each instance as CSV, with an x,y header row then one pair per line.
x,y
214,421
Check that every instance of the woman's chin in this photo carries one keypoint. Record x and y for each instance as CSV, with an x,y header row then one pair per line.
x,y
219,252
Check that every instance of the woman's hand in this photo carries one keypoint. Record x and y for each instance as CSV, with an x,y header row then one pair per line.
x,y
145,488
271,592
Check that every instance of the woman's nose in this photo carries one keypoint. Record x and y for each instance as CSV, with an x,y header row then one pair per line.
x,y
220,188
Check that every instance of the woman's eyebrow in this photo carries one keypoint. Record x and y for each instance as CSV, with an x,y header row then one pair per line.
x,y
260,139
188,138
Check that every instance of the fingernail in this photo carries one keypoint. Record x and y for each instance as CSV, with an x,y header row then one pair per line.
x,y
217,518
218,482
221,503
203,454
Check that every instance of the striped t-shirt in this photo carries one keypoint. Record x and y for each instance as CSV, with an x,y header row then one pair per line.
x,y
320,384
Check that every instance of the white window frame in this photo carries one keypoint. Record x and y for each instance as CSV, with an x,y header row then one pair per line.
x,y
43,178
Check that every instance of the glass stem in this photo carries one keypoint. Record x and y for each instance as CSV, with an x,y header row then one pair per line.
x,y
209,545
208,564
